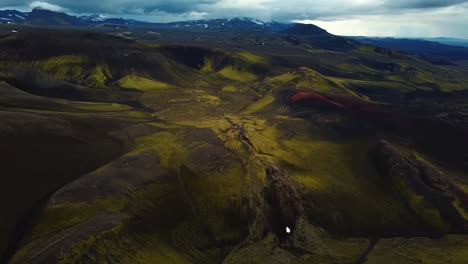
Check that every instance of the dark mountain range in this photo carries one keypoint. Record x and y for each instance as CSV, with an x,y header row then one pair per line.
x,y
430,50
50,18
12,16
449,41
236,24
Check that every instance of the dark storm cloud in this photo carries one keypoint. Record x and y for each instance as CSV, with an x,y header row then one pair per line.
x,y
281,8
114,6
424,3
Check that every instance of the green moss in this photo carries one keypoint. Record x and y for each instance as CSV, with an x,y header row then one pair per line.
x,y
217,195
67,67
64,67
166,145
460,208
205,98
65,215
229,88
100,75
102,106
117,245
53,62
237,75
208,66
142,84
307,78
356,68
252,58
342,190
258,105
61,217
286,77
186,220
430,216
151,45
419,76
376,85
127,116
450,249
366,48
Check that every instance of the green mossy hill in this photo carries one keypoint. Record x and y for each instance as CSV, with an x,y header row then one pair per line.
x,y
327,171
252,58
306,78
203,229
235,74
77,69
142,84
259,105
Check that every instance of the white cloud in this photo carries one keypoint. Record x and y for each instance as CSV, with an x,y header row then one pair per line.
x,y
439,22
243,4
45,5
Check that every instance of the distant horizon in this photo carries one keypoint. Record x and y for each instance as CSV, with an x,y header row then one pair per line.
x,y
398,18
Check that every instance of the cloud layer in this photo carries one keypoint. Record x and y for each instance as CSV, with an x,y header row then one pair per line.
x,y
349,17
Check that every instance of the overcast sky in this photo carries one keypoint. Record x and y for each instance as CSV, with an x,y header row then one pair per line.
x,y
403,18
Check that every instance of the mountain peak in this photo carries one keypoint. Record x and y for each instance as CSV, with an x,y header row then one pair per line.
x,y
40,16
305,29
40,9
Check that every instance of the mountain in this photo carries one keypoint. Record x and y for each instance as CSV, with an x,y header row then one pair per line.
x,y
12,16
45,17
39,16
306,30
450,41
433,51
317,37
96,18
236,24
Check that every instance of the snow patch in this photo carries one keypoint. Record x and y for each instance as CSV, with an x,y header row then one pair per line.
x,y
258,22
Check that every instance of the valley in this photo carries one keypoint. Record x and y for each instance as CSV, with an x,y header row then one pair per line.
x,y
164,144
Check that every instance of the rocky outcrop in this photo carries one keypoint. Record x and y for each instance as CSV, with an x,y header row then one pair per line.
x,y
427,191
280,201
284,200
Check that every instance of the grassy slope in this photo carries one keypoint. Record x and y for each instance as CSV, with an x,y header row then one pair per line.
x,y
142,84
